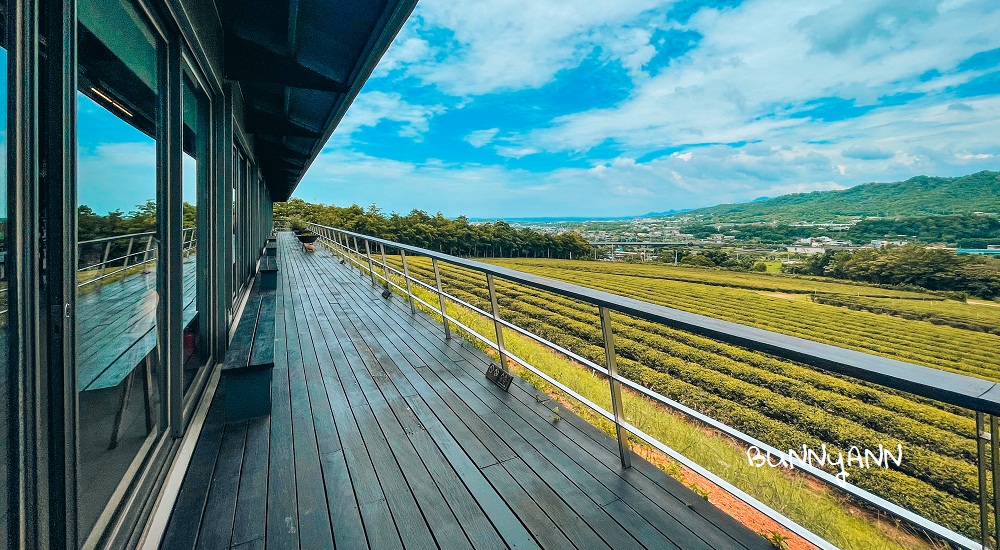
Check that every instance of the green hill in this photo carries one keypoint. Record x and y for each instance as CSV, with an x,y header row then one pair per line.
x,y
915,197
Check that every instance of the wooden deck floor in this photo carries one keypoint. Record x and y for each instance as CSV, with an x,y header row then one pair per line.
x,y
384,435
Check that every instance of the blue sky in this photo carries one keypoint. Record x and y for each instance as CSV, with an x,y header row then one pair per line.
x,y
553,108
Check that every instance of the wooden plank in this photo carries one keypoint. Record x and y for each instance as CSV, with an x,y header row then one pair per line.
x,y
282,511
216,531
262,354
435,486
552,473
506,523
573,526
238,353
182,529
538,428
402,505
538,523
472,446
692,541
386,414
470,517
723,530
314,516
251,504
344,512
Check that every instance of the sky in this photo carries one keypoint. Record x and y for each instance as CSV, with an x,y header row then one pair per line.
x,y
566,108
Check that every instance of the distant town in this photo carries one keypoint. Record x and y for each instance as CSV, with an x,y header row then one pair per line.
x,y
647,237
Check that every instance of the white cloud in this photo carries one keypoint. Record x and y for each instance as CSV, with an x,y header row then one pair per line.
x,y
372,108
743,79
480,138
405,50
515,151
512,45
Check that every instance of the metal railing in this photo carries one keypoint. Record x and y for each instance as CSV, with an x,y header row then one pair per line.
x,y
140,250
978,395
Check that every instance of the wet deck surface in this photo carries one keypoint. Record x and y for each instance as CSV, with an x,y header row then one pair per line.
x,y
384,435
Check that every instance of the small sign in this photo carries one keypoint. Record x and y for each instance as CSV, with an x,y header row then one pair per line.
x,y
499,377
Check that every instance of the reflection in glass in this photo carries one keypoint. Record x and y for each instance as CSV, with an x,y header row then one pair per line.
x,y
5,365
116,335
195,259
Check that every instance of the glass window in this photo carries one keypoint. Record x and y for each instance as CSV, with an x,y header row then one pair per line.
x,y
195,183
5,364
117,356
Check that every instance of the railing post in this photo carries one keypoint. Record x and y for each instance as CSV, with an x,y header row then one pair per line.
x,y
128,254
104,265
357,254
497,326
371,266
616,391
385,265
981,437
992,465
145,255
995,468
444,314
406,277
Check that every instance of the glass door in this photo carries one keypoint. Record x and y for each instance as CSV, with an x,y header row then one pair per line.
x,y
196,171
118,367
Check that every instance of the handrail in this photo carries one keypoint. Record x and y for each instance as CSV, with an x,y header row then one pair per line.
x,y
981,396
117,237
188,239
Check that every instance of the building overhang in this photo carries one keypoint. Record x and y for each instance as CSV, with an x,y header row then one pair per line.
x,y
300,64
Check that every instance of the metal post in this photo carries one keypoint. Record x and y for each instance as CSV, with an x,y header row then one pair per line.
x,y
357,254
497,326
444,314
616,391
128,254
371,266
145,255
995,468
406,277
104,265
385,264
981,437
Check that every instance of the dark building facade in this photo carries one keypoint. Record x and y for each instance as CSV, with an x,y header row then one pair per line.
x,y
146,142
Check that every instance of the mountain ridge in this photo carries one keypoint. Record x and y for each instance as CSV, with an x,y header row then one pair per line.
x,y
914,197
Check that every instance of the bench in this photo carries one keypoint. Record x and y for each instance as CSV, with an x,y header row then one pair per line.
x,y
246,369
271,249
249,361
268,273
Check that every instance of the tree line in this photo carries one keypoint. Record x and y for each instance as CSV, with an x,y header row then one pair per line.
x,y
457,236
911,265
91,225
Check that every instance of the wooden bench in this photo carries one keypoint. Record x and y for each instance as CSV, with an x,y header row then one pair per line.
x,y
271,249
247,367
268,273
